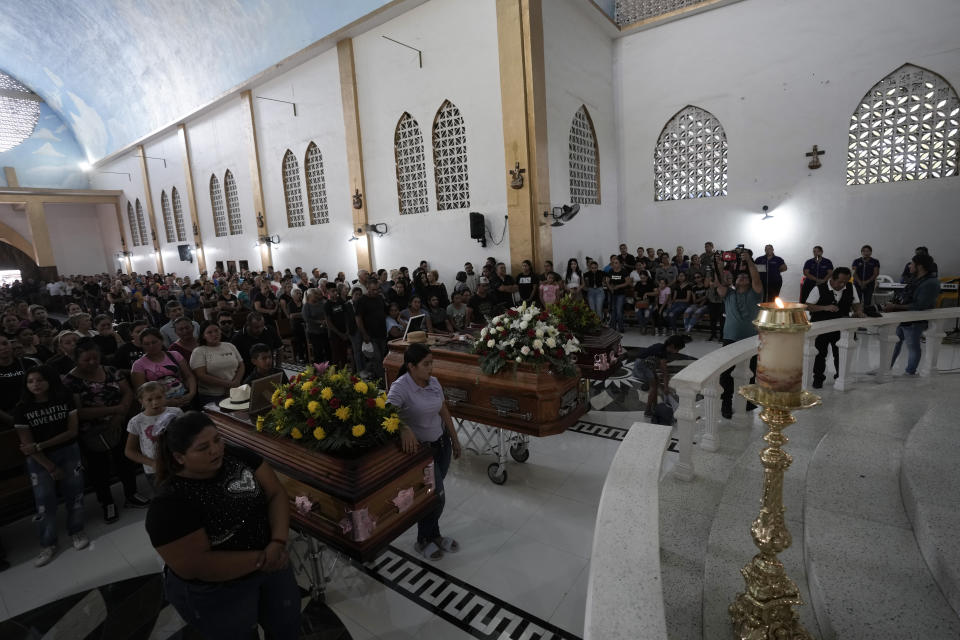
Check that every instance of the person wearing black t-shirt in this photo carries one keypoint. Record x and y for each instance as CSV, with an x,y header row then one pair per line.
x,y
255,331
527,282
502,287
482,304
130,352
221,521
339,315
12,377
47,425
372,324
619,284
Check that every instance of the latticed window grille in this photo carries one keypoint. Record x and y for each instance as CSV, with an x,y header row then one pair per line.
x,y
134,232
219,213
316,186
630,11
450,158
690,160
907,127
167,216
584,160
291,190
141,224
18,116
178,215
411,167
233,204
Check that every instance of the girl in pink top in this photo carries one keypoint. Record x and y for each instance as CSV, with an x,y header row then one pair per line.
x,y
549,290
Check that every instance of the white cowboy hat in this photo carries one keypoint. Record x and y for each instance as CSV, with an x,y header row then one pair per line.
x,y
239,398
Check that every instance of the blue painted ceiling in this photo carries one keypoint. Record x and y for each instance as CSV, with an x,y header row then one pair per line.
x,y
116,70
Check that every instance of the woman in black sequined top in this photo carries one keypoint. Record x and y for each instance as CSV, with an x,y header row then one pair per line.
x,y
220,521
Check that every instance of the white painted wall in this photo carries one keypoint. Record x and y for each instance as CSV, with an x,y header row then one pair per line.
x,y
460,63
782,76
66,223
16,219
315,88
579,71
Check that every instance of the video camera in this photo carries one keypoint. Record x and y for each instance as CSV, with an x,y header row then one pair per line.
x,y
735,259
732,255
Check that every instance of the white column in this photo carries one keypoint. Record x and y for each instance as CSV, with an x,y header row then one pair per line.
x,y
686,415
888,338
809,353
710,440
844,381
741,377
931,352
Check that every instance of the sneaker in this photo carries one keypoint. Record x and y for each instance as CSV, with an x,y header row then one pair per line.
x,y
45,556
110,514
727,413
80,541
818,385
136,501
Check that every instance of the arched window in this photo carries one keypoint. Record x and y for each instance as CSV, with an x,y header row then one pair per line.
x,y
134,232
316,186
18,116
411,171
219,214
167,217
584,159
291,190
907,127
141,224
450,158
233,204
178,215
690,160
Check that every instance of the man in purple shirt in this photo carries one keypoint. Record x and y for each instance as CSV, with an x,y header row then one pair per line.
x,y
866,268
816,271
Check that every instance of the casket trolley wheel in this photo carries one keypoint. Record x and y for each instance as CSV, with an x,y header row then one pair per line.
x,y
482,439
497,473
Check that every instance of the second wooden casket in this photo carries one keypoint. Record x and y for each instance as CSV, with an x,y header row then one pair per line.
x,y
600,354
526,399
357,505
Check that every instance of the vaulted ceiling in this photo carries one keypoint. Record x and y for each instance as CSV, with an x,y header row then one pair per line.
x,y
116,70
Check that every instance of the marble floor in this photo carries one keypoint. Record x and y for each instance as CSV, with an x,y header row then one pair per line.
x,y
522,569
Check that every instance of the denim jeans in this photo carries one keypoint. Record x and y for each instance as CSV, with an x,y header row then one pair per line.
x,y
675,313
232,610
692,315
595,300
67,460
910,333
429,527
616,312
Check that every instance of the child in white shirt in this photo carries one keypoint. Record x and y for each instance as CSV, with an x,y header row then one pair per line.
x,y
143,428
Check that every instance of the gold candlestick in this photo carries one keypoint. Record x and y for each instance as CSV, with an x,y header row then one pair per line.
x,y
765,610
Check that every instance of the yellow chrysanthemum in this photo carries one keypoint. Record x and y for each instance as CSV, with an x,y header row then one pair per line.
x,y
342,413
296,434
326,393
275,398
319,433
313,407
278,428
307,385
288,403
260,421
391,424
360,387
358,430
381,402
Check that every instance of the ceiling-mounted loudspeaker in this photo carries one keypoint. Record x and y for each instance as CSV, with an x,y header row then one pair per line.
x,y
478,229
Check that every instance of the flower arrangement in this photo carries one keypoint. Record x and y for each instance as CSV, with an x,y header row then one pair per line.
x,y
575,313
526,334
330,410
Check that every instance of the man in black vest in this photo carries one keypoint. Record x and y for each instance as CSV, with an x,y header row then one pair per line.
x,y
828,300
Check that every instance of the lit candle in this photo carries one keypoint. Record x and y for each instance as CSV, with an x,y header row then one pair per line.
x,y
781,326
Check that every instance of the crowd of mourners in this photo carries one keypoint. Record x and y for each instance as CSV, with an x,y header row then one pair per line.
x,y
90,392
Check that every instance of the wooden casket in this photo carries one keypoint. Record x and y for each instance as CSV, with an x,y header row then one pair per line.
x,y
359,504
600,354
528,400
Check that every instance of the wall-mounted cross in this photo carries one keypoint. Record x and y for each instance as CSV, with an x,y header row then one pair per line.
x,y
815,155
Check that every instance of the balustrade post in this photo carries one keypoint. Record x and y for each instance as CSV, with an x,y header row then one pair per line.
x,y
741,377
887,337
844,381
686,415
710,440
809,353
931,353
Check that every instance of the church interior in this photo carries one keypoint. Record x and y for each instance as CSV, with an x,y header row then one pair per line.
x,y
190,138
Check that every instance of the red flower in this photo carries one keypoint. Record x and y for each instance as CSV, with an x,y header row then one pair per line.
x,y
544,315
334,403
354,379
311,423
561,327
531,333
314,391
371,402
503,354
513,313
559,353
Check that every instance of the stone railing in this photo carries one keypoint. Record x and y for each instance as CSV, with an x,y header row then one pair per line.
x,y
702,377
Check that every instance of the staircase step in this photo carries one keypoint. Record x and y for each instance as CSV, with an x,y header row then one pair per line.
x,y
930,485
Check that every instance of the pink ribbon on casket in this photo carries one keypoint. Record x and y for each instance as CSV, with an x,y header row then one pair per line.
x,y
404,499
600,362
360,523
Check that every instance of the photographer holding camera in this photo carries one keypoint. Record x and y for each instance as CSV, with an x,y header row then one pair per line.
x,y
740,305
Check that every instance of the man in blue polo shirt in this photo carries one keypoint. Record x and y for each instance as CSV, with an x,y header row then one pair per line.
x,y
770,266
816,271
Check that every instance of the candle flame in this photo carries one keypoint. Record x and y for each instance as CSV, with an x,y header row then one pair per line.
x,y
779,303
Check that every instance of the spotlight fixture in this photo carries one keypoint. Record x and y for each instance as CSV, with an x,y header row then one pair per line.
x,y
563,214
766,213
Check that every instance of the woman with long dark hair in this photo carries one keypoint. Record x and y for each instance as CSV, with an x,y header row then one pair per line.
x,y
167,367
47,424
220,521
572,280
418,397
217,365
